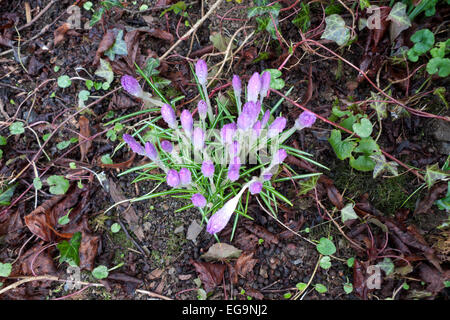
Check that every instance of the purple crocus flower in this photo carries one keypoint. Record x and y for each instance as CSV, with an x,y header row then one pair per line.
x,y
131,85
208,168
202,109
266,176
201,70
150,151
169,116
185,176
237,85
198,138
257,128
265,118
305,120
233,169
265,84
245,119
227,132
218,221
167,146
173,178
198,200
277,126
254,87
234,148
279,156
134,145
255,187
187,121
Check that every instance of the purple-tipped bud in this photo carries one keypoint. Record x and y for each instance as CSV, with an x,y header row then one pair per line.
x,y
150,151
237,85
198,139
265,118
279,156
208,168
187,122
233,169
134,145
266,176
227,132
169,116
198,200
234,148
276,127
254,87
131,85
201,70
185,176
257,128
265,84
218,221
305,120
255,187
173,178
245,120
167,146
202,109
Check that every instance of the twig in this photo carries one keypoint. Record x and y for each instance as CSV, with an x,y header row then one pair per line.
x,y
153,294
38,15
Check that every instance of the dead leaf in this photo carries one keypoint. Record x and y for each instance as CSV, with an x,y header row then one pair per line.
x,y
211,274
60,32
221,251
245,264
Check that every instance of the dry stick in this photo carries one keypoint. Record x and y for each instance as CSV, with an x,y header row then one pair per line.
x,y
194,28
18,283
153,294
39,15
348,131
299,293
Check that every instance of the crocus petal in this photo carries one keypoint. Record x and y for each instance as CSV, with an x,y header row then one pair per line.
x,y
198,139
255,187
257,128
150,151
186,121
233,169
305,120
167,146
185,176
237,85
277,126
169,116
227,133
265,119
131,85
208,168
279,156
202,109
244,120
235,148
198,200
254,87
265,84
134,145
201,70
173,178
266,176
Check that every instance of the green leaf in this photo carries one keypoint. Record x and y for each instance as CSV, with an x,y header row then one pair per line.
x,y
423,41
115,227
275,82
64,81
220,42
104,71
58,184
64,219
364,128
336,30
413,55
368,146
16,128
362,163
2,141
320,288
350,262
348,288
434,174
301,286
287,295
444,203
303,20
364,4
347,213
143,7
108,4
118,48
150,67
37,183
69,250
326,247
101,272
106,159
387,266
343,149
5,269
63,144
382,165
379,106
348,122
399,20
87,5
439,50
439,65
325,262
5,196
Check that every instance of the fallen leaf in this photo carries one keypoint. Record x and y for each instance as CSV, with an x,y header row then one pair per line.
x,y
221,251
245,263
60,32
211,274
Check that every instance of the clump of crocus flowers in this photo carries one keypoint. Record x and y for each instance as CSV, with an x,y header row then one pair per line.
x,y
238,138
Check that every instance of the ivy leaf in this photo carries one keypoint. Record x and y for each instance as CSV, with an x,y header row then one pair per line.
x,y
362,163
378,106
382,165
423,41
5,196
58,184
105,71
364,128
387,266
100,272
275,82
69,250
150,67
399,18
5,269
439,65
434,174
118,48
348,213
336,30
326,247
343,149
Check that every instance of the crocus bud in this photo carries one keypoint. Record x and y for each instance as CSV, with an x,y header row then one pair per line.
x,y
131,85
208,168
185,176
237,85
198,138
167,146
265,118
198,200
276,127
279,156
150,151
257,128
201,70
245,120
266,176
254,87
227,132
202,109
305,120
234,148
265,84
134,145
255,187
169,116
173,178
187,122
233,169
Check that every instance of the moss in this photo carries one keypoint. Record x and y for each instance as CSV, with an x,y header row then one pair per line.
x,y
121,240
